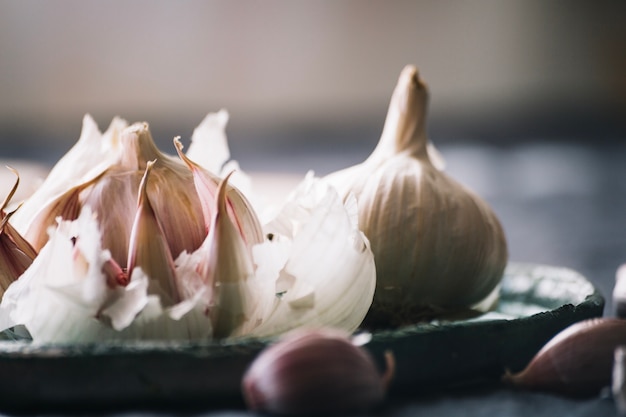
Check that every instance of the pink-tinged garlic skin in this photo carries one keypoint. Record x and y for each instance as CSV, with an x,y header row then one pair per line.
x,y
314,372
577,362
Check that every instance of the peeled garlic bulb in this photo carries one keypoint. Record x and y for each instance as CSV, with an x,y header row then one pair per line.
x,y
437,246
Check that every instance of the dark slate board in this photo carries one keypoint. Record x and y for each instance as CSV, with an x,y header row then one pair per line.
x,y
536,303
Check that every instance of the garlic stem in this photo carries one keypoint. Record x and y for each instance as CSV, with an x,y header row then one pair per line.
x,y
405,124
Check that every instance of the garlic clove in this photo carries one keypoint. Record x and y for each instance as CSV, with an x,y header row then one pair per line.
x,y
238,208
578,361
439,248
227,269
171,191
314,371
149,249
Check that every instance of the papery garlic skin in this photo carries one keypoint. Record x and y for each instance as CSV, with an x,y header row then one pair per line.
x,y
88,159
64,296
438,247
318,270
16,254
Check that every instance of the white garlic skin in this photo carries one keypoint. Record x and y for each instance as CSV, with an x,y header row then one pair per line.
x,y
438,247
314,372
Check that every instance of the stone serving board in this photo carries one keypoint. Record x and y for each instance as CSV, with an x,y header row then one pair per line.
x,y
536,302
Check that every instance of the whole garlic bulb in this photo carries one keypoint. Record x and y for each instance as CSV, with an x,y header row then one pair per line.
x,y
437,246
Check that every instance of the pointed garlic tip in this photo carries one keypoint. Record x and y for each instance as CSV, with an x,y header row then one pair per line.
x,y
149,249
238,207
179,150
204,183
142,194
221,194
405,125
229,266
8,198
138,145
89,128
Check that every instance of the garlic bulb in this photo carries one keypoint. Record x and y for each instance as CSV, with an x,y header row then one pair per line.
x,y
136,244
437,246
180,192
315,372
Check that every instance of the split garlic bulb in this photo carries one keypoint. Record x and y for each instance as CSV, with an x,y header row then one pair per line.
x,y
438,247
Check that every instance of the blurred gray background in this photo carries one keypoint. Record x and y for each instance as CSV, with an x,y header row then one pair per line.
x,y
296,71
528,97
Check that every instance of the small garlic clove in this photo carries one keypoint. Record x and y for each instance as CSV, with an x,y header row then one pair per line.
x,y
315,372
171,191
577,362
238,208
149,249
